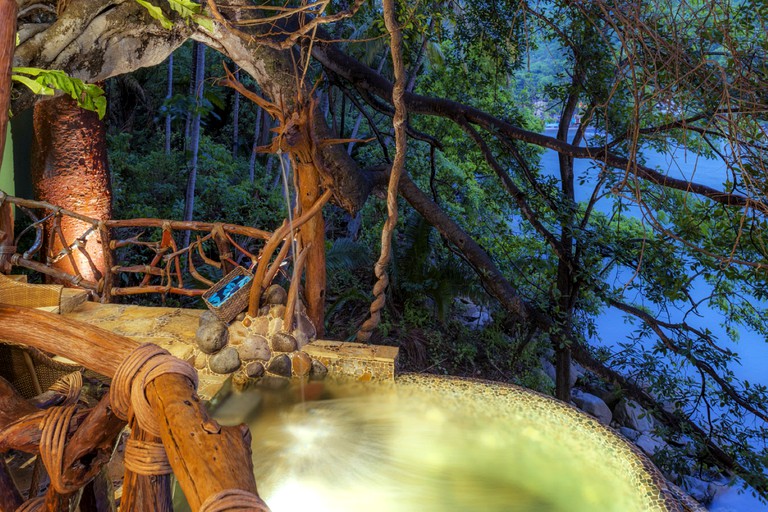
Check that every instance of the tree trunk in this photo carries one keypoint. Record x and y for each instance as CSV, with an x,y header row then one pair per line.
x,y
256,134
236,119
189,199
70,169
313,232
8,10
168,96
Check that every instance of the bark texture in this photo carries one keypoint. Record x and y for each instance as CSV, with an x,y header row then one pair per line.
x,y
69,169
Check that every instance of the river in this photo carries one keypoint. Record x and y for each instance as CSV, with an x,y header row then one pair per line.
x,y
751,347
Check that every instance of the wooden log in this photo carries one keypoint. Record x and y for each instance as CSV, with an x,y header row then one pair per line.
x,y
135,290
58,502
188,225
8,9
224,248
107,279
55,273
85,344
143,492
206,457
12,405
313,238
24,434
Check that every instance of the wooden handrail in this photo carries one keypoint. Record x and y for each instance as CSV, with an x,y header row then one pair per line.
x,y
206,457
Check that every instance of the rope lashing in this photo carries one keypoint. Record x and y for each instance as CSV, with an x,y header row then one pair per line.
x,y
54,428
69,385
231,500
135,373
32,505
146,458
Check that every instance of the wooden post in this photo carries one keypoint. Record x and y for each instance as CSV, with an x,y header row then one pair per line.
x,y
8,9
313,237
206,457
144,492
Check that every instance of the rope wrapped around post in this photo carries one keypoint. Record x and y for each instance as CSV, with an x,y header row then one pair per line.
x,y
134,374
146,458
232,500
69,385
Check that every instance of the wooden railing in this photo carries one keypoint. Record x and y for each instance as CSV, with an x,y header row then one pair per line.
x,y
169,269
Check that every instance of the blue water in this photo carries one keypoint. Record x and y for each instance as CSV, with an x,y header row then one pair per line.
x,y
611,326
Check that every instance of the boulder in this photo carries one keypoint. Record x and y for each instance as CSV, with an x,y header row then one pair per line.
x,y
650,443
593,406
207,317
700,490
632,415
254,347
225,361
212,336
629,433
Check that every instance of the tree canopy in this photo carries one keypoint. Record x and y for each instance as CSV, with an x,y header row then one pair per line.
x,y
658,245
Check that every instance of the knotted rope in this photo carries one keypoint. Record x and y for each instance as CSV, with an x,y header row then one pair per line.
x,y
146,458
231,500
134,374
398,122
69,385
54,428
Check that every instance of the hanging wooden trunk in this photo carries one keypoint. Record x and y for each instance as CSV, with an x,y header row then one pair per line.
x,y
313,237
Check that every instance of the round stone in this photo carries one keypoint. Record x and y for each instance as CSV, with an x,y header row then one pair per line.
x,y
255,347
206,318
225,361
283,342
275,294
212,336
260,325
201,359
277,311
271,382
302,363
280,365
254,369
318,371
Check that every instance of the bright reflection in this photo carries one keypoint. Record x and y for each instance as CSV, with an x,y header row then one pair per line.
x,y
408,450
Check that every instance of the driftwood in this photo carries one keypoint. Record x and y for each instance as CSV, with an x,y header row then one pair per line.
x,y
146,492
313,238
207,459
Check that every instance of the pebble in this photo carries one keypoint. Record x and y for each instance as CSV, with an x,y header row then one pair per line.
x,y
201,359
225,361
212,336
207,317
318,371
275,294
283,342
254,369
301,363
280,365
254,347
260,325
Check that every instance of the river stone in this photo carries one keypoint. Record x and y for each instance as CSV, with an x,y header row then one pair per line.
x,y
272,382
283,342
592,405
305,330
301,363
551,372
280,365
629,433
318,371
225,361
275,294
254,369
255,347
260,326
212,336
277,311
275,325
631,414
206,318
201,359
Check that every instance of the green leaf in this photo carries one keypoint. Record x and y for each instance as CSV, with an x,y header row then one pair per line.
x,y
34,86
206,23
156,13
186,8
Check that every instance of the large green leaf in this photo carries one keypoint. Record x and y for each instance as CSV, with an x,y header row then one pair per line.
x,y
157,13
88,96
